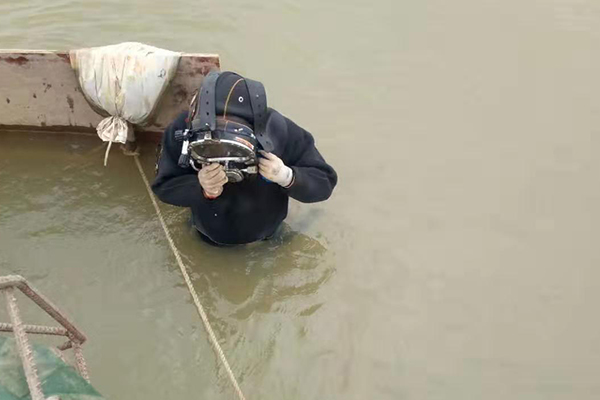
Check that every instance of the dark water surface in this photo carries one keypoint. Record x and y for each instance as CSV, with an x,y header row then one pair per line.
x,y
457,259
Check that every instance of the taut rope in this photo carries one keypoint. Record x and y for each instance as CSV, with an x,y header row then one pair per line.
x,y
188,281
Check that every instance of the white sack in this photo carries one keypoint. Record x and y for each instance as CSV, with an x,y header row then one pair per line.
x,y
126,80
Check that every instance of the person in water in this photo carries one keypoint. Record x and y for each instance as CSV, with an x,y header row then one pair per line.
x,y
227,213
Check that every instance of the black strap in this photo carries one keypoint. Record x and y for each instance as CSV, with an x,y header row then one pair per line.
x,y
206,118
258,100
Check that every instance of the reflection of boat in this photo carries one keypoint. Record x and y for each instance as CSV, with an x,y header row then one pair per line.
x,y
39,370
40,92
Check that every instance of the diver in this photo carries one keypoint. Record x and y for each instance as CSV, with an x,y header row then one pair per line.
x,y
235,162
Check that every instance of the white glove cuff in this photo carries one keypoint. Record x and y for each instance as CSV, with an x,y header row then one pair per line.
x,y
285,176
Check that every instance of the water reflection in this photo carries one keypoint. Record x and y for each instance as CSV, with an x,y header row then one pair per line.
x,y
262,277
260,297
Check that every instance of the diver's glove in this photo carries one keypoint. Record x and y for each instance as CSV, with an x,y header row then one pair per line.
x,y
272,168
212,178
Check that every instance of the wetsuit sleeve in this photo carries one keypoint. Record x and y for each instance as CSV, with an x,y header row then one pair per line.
x,y
173,184
314,179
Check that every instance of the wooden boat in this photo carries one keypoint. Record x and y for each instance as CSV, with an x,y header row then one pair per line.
x,y
40,92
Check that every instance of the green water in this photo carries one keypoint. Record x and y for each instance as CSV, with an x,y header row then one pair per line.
x,y
457,259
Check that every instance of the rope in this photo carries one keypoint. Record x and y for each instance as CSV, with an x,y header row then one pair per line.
x,y
188,281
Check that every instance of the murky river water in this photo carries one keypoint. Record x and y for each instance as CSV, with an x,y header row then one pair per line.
x,y
457,259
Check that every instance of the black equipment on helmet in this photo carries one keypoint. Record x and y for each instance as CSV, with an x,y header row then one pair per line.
x,y
233,145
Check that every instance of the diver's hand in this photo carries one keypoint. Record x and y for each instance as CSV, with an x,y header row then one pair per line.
x,y
212,178
272,168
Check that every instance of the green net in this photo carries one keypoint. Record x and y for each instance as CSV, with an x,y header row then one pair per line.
x,y
57,378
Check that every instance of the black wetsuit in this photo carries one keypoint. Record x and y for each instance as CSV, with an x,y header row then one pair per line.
x,y
253,209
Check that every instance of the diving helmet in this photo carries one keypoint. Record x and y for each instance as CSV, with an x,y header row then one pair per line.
x,y
231,143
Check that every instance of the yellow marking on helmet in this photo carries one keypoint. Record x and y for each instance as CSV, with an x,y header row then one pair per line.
x,y
229,95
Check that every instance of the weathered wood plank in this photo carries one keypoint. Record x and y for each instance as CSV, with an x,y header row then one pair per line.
x,y
39,91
